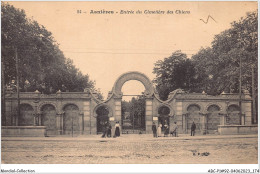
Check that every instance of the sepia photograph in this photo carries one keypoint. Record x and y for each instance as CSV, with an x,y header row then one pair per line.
x,y
128,82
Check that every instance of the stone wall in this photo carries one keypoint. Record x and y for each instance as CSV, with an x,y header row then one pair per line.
x,y
79,108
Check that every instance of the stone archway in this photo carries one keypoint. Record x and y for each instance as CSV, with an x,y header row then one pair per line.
x,y
149,94
164,116
149,90
102,114
194,116
72,122
213,118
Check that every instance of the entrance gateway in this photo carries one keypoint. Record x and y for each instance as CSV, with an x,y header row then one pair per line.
x,y
84,113
115,98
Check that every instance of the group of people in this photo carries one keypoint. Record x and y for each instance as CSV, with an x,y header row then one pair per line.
x,y
157,131
107,130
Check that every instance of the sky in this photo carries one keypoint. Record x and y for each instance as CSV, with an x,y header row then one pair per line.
x,y
104,46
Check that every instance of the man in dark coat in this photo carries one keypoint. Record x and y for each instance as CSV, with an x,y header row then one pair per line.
x,y
193,128
154,130
104,129
109,127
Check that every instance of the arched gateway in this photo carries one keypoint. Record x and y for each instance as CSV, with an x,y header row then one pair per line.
x,y
115,98
149,93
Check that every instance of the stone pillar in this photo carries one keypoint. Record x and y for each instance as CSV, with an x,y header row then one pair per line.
x,y
62,123
117,114
180,119
59,124
204,124
93,125
40,119
186,123
247,110
184,126
88,120
82,123
80,116
243,119
113,123
222,119
149,115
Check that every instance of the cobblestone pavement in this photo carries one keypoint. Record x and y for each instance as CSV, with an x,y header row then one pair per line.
x,y
131,149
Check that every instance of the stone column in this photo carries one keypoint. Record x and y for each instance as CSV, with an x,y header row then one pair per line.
x,y
222,119
93,124
59,124
180,118
117,114
243,119
203,123
88,119
113,123
82,123
62,123
184,125
40,119
247,110
149,115
80,116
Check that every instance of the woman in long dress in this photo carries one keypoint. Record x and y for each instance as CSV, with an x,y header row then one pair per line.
x,y
159,130
117,131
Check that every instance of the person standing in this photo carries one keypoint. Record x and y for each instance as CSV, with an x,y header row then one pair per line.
x,y
166,131
104,129
175,128
154,130
109,127
159,130
193,128
117,131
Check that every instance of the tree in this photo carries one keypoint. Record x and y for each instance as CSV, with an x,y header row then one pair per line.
x,y
136,108
176,71
42,65
137,111
221,62
214,69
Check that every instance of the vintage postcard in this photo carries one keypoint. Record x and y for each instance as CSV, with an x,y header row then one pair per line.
x,y
129,82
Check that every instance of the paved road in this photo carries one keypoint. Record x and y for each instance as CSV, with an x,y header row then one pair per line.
x,y
130,149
